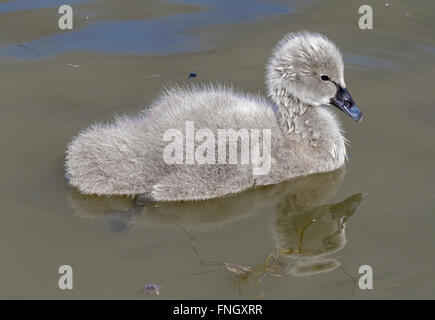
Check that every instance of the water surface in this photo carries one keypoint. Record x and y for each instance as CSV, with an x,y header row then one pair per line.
x,y
301,239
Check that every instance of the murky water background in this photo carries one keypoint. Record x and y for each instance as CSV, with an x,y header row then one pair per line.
x,y
379,212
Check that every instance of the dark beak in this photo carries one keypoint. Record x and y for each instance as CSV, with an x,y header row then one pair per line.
x,y
343,100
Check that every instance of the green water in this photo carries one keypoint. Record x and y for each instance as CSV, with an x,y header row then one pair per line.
x,y
300,239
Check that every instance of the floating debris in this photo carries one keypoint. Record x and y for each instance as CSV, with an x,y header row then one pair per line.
x,y
74,65
153,75
152,288
237,269
192,75
30,49
254,275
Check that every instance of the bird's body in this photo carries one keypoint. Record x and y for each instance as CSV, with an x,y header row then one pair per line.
x,y
126,157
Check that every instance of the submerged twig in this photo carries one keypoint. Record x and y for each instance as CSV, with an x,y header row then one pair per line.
x,y
355,282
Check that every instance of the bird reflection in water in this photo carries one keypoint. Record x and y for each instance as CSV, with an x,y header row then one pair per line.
x,y
305,230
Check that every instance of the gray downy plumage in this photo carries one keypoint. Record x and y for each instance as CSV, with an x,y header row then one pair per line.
x,y
304,75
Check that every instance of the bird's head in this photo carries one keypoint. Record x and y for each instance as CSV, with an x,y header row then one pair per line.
x,y
310,67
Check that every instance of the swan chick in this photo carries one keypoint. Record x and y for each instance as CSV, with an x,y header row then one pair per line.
x,y
304,77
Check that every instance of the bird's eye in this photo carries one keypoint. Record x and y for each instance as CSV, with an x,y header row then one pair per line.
x,y
324,78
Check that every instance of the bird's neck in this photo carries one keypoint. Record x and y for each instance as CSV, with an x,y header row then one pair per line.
x,y
316,126
290,111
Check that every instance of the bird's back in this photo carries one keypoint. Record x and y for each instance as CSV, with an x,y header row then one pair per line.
x,y
212,107
126,156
